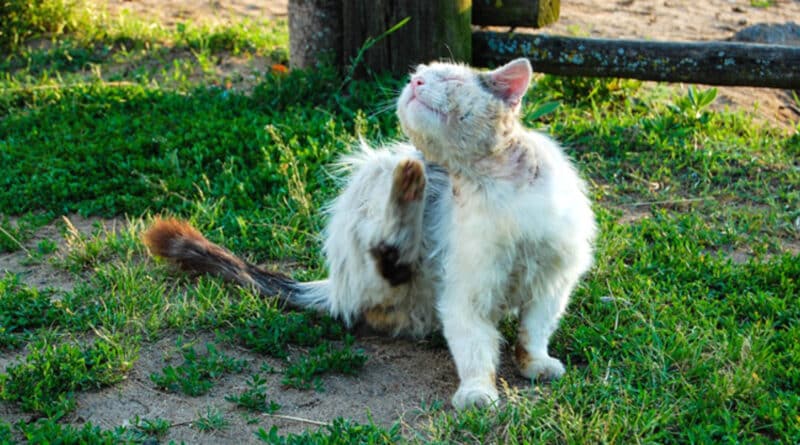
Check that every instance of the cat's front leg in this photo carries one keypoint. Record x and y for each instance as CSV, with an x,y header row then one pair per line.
x,y
474,343
474,277
538,320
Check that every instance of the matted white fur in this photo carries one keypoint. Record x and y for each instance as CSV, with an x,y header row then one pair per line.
x,y
504,225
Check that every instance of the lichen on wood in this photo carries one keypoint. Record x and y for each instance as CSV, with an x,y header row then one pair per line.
x,y
714,63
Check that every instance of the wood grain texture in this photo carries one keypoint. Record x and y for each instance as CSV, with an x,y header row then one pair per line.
x,y
529,13
437,29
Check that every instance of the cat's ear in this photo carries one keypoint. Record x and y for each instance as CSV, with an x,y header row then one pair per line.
x,y
510,81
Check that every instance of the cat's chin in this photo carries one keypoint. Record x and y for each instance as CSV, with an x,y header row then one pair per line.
x,y
424,118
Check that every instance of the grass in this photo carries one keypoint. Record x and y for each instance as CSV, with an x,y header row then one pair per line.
x,y
23,310
46,380
341,432
685,331
196,375
49,431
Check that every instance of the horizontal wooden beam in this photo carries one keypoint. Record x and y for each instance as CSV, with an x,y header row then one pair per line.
x,y
529,13
712,63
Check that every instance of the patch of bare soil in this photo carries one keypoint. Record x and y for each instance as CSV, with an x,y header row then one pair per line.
x,y
201,11
399,377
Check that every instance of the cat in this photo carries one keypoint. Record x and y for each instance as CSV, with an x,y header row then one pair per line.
x,y
476,218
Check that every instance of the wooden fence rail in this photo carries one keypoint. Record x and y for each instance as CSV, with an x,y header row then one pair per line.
x,y
713,63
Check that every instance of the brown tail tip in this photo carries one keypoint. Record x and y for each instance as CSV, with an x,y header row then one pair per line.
x,y
167,234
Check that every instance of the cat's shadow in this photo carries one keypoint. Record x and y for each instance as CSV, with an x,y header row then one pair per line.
x,y
426,361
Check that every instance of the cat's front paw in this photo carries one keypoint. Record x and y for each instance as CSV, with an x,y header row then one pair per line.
x,y
475,395
542,368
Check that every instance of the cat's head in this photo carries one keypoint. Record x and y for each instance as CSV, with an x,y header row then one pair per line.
x,y
456,114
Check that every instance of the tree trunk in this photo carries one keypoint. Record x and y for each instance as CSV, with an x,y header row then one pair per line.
x,y
315,32
529,13
437,29
712,63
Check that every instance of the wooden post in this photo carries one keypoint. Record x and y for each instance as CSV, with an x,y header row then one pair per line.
x,y
437,29
712,63
531,13
315,32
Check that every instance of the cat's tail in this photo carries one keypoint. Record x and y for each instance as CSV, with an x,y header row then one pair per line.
x,y
184,246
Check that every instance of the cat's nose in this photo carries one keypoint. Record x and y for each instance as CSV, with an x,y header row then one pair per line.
x,y
416,82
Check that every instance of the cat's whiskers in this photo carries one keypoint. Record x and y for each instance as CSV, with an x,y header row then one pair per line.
x,y
380,109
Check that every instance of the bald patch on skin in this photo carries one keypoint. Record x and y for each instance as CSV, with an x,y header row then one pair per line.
x,y
521,355
386,318
515,163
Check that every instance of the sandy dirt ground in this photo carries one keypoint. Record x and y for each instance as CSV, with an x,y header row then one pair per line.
x,y
400,375
681,20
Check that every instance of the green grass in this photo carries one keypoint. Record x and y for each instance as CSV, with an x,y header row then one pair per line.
x,y
196,375
49,431
685,331
340,432
46,380
23,310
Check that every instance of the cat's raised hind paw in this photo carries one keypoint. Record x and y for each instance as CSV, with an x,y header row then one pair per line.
x,y
475,395
542,368
409,180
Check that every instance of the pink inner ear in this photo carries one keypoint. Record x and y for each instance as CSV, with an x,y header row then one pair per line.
x,y
512,80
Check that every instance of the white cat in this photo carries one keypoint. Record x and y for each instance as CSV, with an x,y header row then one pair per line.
x,y
485,218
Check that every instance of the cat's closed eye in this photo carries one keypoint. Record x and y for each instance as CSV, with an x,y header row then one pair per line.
x,y
453,79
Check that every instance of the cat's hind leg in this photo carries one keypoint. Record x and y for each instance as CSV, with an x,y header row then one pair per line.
x,y
400,239
374,239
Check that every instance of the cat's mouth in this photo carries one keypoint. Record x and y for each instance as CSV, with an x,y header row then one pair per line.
x,y
423,104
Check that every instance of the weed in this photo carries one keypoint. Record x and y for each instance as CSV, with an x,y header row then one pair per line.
x,y
156,428
23,19
196,375
254,398
340,432
85,252
49,431
212,420
321,359
46,246
694,104
5,432
49,375
272,331
22,310
14,235
369,43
